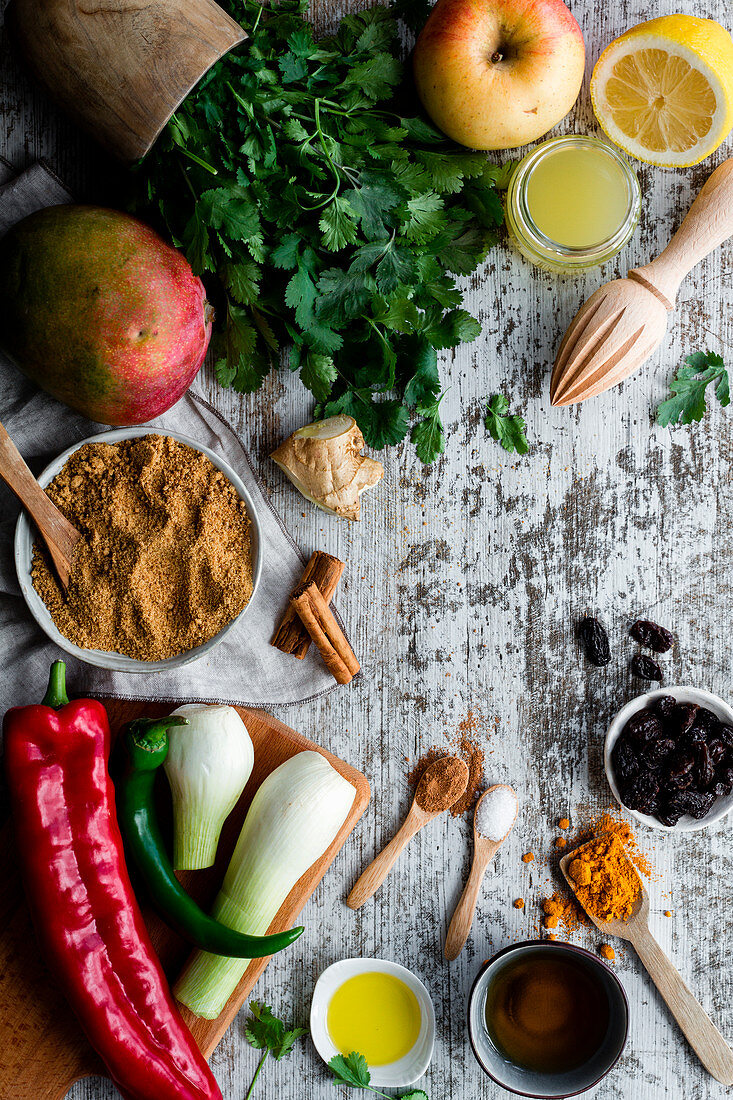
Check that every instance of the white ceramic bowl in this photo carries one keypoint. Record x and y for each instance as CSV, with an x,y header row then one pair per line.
x,y
722,805
398,1074
25,536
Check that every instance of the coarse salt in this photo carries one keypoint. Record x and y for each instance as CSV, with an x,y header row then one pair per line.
x,y
496,812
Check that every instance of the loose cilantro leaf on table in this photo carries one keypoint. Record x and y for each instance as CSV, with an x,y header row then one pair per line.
x,y
507,430
327,216
265,1032
688,386
353,1071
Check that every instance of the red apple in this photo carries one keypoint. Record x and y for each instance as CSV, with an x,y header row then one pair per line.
x,y
495,74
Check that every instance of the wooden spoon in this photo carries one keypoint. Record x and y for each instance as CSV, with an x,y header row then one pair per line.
x,y
697,1027
484,850
620,325
56,531
372,878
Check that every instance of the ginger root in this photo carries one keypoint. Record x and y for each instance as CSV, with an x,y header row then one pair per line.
x,y
324,462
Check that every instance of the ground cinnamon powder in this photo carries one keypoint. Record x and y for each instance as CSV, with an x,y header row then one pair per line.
x,y
165,559
465,744
440,787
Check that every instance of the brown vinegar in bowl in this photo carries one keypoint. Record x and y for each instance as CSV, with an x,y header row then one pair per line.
x,y
547,1012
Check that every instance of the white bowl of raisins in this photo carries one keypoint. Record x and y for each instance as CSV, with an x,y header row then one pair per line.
x,y
668,757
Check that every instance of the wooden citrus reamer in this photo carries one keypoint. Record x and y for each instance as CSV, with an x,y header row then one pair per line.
x,y
701,1033
620,325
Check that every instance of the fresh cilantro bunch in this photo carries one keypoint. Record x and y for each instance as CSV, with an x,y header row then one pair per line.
x,y
688,386
353,1072
265,1032
506,430
327,218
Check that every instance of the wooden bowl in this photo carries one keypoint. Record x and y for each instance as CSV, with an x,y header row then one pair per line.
x,y
120,68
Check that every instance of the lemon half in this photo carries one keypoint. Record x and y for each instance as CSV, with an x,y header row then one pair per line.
x,y
663,91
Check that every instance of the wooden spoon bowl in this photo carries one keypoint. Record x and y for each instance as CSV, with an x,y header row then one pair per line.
x,y
120,68
699,1030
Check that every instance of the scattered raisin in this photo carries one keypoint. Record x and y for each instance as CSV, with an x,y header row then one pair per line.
x,y
595,641
652,636
645,668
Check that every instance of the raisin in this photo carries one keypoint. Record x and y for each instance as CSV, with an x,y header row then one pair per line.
x,y
652,636
718,750
704,768
691,802
645,668
644,726
725,776
657,751
726,732
641,794
719,788
669,816
681,765
595,641
706,721
684,716
625,760
665,705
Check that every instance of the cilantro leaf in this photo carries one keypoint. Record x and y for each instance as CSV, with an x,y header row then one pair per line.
x,y
334,222
507,430
264,1031
688,386
351,1070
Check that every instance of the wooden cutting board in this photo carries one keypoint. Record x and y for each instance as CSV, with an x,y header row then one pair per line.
x,y
42,1049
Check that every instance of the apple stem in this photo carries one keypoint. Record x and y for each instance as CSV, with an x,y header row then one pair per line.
x,y
497,56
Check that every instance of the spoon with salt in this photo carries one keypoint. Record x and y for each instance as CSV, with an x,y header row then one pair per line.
x,y
701,1033
441,784
493,819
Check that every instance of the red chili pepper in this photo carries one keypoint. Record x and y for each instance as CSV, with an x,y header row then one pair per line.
x,y
87,921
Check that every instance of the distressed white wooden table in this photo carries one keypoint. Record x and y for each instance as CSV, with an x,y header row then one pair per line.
x,y
463,588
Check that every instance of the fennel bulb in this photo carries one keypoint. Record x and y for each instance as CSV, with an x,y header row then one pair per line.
x,y
208,764
294,817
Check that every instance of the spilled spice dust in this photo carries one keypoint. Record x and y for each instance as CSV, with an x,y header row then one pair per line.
x,y
606,881
165,559
608,952
562,912
465,744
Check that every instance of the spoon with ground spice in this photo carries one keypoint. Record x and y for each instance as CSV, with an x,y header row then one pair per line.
x,y
493,820
609,888
60,536
441,784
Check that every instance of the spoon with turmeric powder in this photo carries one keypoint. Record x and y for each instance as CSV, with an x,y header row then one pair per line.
x,y
609,888
441,784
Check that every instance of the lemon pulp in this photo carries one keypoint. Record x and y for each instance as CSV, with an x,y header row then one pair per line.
x,y
375,1014
578,196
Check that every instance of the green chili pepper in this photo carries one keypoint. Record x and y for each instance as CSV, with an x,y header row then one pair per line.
x,y
145,742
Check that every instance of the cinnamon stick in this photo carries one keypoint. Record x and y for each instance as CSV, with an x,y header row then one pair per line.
x,y
291,636
318,620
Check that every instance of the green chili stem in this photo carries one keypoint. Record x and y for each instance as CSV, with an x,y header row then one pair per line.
x,y
56,691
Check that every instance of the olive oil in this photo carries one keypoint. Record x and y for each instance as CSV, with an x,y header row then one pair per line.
x,y
547,1012
376,1014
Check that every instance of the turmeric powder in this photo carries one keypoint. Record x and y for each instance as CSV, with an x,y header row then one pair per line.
x,y
606,881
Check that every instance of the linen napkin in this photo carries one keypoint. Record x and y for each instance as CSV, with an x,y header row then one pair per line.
x,y
244,668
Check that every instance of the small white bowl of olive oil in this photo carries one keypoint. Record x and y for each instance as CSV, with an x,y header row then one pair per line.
x,y
379,1009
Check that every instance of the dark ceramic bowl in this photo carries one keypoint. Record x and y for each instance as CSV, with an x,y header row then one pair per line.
x,y
548,1086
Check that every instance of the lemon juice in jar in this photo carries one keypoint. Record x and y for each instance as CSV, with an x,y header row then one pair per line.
x,y
572,203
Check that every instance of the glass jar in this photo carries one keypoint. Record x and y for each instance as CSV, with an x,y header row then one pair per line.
x,y
581,190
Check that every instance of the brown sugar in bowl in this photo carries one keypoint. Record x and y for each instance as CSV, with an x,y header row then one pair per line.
x,y
25,538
